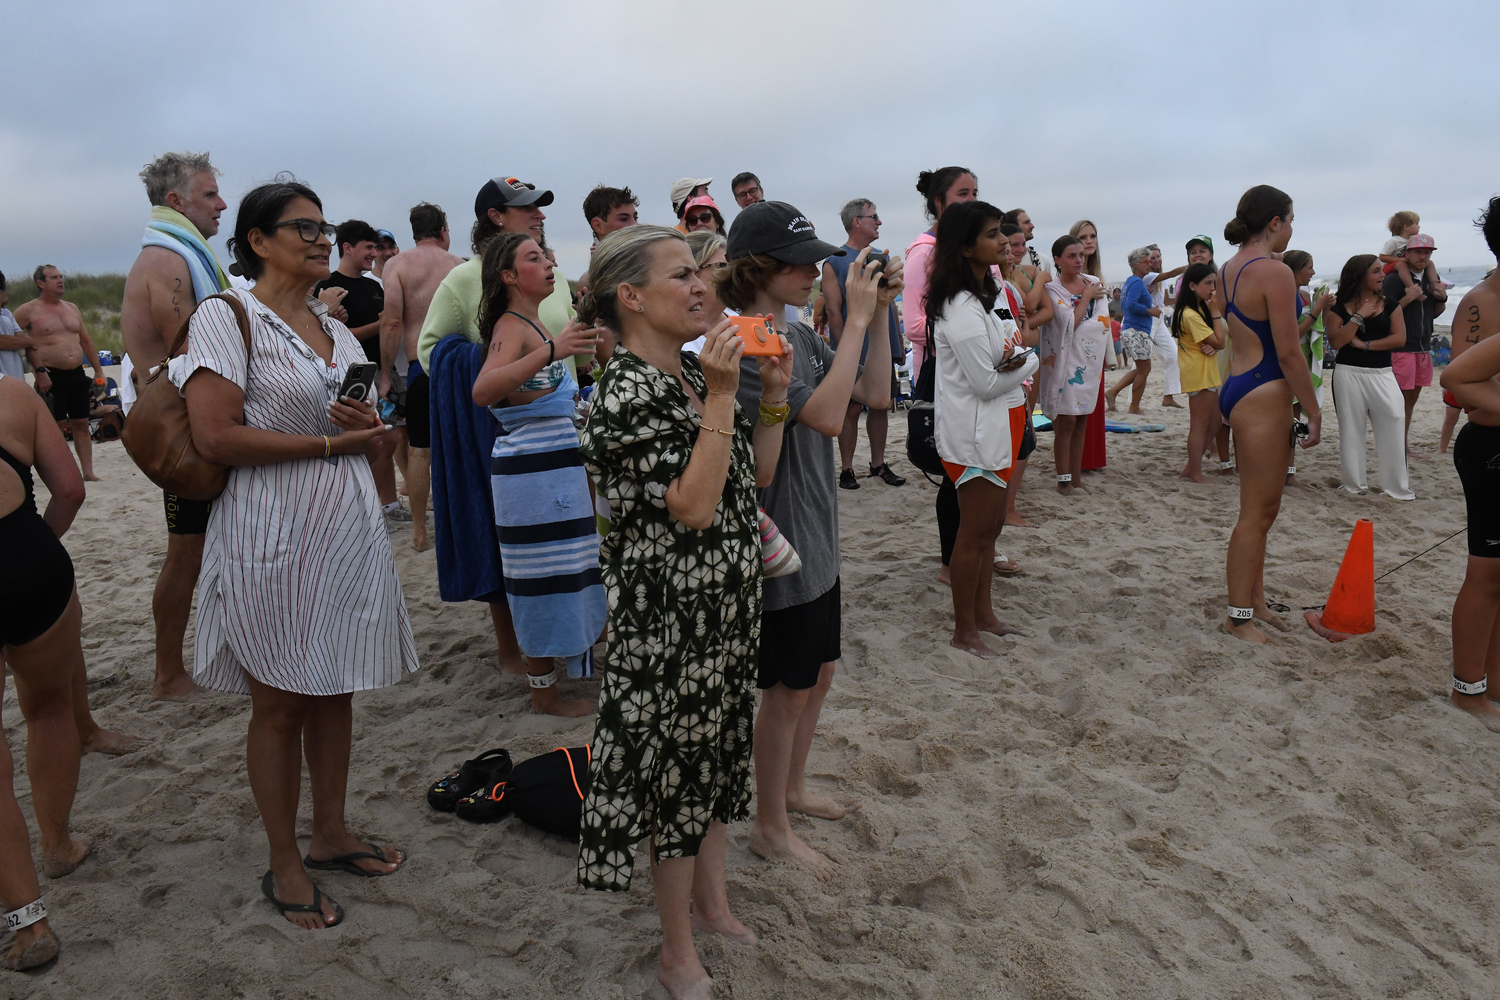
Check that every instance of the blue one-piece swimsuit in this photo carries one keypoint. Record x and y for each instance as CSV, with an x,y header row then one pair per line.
x,y
1268,369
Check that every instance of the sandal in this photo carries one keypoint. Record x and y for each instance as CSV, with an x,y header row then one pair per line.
x,y
346,862
883,471
1006,567
481,772
268,886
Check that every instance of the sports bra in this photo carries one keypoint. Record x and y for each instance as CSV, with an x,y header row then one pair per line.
x,y
552,374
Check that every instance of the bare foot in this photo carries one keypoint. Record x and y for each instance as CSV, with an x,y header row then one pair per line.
x,y
1109,402
972,643
550,701
817,806
1014,519
787,846
31,946
945,576
724,925
298,888
1229,471
111,744
997,627
1136,411
1169,401
1415,456
1479,706
512,662
1245,631
173,688
685,980
419,538
67,859
1194,477
1292,482
1271,618
1065,488
91,478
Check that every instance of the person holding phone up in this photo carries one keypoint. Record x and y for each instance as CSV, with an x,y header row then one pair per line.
x,y
981,405
299,603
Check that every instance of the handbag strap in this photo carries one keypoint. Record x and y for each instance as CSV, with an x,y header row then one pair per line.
x,y
241,319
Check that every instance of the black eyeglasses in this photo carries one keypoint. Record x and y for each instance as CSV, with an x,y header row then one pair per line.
x,y
307,229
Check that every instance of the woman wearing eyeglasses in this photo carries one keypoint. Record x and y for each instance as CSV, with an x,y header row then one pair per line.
x,y
299,604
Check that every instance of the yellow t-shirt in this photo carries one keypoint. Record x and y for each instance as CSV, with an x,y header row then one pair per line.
x,y
1198,370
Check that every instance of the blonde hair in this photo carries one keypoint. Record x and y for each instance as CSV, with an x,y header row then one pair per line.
x,y
1091,263
1401,220
624,257
705,244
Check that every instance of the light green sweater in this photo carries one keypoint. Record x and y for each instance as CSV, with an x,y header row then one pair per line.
x,y
455,309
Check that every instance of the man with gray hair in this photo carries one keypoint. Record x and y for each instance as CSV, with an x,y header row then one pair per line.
x,y
862,223
1135,328
175,271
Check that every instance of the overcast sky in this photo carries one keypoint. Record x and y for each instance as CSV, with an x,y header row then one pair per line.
x,y
1149,120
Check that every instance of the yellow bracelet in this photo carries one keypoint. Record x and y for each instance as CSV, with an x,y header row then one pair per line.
x,y
705,427
327,446
771,415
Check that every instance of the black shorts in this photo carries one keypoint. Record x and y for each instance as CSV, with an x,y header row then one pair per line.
x,y
1028,442
418,416
1476,456
184,516
70,393
795,642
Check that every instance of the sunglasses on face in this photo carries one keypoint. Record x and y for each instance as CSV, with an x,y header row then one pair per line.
x,y
711,268
307,229
701,218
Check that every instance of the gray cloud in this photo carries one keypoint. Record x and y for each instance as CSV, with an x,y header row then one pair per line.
x,y
1149,121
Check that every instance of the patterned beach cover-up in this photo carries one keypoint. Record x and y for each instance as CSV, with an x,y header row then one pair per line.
x,y
672,743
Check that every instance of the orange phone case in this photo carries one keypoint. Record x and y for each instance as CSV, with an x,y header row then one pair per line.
x,y
759,335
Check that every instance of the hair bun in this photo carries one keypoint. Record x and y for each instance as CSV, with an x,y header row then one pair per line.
x,y
1236,231
924,183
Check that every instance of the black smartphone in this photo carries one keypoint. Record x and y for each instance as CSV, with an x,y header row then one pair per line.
x,y
359,381
880,258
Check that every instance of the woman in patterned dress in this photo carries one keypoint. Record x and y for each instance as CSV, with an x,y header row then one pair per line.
x,y
299,604
678,462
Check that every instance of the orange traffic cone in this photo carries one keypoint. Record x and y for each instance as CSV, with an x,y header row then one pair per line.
x,y
1351,605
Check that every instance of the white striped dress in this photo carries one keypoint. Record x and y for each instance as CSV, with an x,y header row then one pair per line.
x,y
298,587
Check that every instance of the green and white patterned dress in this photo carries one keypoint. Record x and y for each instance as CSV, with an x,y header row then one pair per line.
x,y
672,743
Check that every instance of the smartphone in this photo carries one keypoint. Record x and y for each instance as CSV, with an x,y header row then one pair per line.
x,y
759,335
880,258
1017,357
359,381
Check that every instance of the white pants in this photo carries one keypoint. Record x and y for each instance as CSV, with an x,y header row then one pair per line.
x,y
1166,358
1371,394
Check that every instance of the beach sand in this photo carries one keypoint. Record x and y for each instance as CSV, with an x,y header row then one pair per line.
x,y
1128,803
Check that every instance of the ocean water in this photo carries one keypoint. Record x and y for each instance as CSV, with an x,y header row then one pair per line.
x,y
1460,280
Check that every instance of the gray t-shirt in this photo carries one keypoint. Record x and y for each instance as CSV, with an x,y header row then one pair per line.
x,y
803,498
11,362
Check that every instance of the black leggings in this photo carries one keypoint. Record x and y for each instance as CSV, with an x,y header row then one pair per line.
x,y
947,517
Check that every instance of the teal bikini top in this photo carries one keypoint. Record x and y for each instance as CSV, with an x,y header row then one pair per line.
x,y
552,375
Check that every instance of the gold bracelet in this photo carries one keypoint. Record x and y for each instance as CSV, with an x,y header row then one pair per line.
x,y
327,446
705,427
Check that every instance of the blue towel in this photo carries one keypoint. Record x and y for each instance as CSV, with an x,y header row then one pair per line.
x,y
549,547
468,552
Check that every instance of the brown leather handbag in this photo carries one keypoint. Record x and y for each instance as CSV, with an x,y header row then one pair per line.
x,y
157,433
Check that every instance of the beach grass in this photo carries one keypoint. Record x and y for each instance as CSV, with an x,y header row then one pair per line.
x,y
97,296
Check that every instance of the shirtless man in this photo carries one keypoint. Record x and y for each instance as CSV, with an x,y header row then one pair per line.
x,y
411,278
59,345
159,295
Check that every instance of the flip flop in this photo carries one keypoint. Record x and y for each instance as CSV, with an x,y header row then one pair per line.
x,y
268,886
346,862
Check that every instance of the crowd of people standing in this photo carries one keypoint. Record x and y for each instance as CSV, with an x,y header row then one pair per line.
x,y
603,460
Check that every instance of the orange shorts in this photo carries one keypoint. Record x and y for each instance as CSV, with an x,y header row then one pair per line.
x,y
959,474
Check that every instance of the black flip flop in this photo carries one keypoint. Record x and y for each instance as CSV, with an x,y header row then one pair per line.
x,y
346,862
1280,609
268,886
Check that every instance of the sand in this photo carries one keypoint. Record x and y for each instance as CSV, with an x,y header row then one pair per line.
x,y
1126,804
